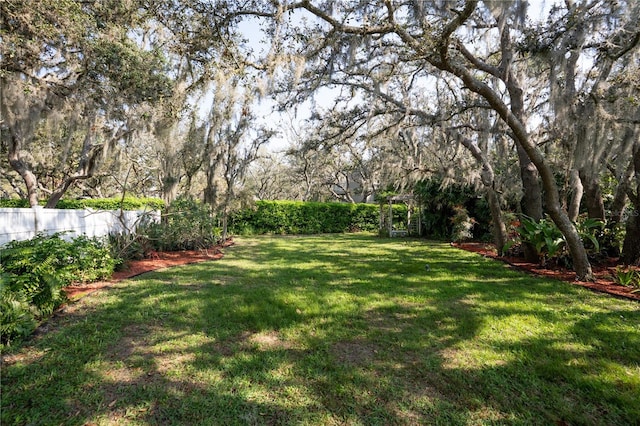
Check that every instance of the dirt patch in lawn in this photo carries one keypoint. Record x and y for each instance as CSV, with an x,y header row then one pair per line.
x,y
157,260
354,353
603,272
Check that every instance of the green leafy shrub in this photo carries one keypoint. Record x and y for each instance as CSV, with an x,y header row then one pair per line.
x,y
125,246
116,203
82,259
440,206
549,242
17,315
611,239
298,217
34,272
625,277
591,232
543,235
187,224
462,224
628,277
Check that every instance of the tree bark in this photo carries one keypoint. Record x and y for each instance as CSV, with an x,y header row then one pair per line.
x,y
577,190
630,246
498,229
57,194
620,195
578,253
30,180
592,195
22,168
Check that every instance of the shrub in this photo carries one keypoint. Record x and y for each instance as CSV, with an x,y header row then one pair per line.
x,y
187,224
126,246
116,203
543,235
628,277
299,217
17,316
34,272
441,210
462,224
549,242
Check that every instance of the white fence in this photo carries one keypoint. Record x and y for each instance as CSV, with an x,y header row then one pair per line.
x,y
24,224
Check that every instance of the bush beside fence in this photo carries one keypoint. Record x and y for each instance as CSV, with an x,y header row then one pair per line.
x,y
126,203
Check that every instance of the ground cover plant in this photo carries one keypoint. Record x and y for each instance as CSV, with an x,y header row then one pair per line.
x,y
33,273
340,329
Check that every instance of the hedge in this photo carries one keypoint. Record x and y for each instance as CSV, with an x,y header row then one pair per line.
x,y
116,203
298,217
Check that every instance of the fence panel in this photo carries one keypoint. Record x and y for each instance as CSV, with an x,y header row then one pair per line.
x,y
23,224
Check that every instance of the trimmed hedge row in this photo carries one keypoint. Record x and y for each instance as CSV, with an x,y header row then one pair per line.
x,y
128,203
298,217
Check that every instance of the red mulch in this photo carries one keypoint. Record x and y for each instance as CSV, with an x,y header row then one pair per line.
x,y
157,260
603,272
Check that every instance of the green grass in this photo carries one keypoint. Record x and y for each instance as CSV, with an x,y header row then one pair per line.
x,y
340,329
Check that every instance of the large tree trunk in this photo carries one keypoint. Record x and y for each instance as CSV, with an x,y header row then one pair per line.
x,y
531,202
211,190
498,229
631,247
22,168
170,186
30,180
592,195
620,196
624,180
57,194
577,190
578,253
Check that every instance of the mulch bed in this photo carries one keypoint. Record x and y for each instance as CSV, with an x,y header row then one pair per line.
x,y
604,273
158,260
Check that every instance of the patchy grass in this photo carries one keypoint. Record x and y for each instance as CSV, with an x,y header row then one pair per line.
x,y
339,329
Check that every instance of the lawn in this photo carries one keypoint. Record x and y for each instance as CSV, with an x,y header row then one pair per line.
x,y
335,329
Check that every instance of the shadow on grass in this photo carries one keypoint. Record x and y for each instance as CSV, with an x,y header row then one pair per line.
x,y
333,329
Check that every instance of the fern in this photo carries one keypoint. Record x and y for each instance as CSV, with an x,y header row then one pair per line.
x,y
34,272
17,317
